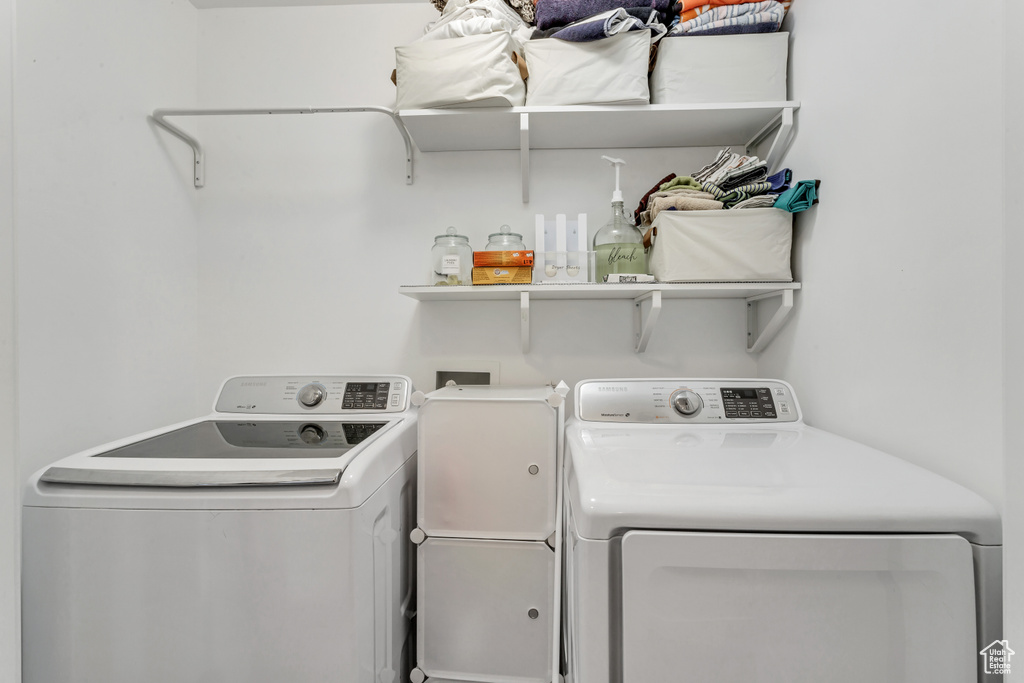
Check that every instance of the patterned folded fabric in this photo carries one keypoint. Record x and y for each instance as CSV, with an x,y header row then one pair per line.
x,y
735,17
751,171
691,9
724,160
731,197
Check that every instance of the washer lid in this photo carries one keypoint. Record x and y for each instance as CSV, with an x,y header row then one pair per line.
x,y
306,453
795,479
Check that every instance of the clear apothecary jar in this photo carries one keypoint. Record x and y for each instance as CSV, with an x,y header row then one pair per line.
x,y
505,240
453,259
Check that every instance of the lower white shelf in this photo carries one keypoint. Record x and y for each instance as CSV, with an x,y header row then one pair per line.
x,y
647,299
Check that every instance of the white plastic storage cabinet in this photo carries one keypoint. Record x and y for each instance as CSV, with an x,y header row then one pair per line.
x,y
488,534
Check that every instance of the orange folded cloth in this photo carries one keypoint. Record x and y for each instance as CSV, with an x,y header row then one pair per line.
x,y
694,8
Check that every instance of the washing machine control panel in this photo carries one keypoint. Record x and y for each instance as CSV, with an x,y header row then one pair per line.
x,y
687,401
317,394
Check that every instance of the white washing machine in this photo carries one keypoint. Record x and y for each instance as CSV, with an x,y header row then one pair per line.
x,y
267,542
713,536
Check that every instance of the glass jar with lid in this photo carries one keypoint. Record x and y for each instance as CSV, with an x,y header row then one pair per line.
x,y
505,240
453,259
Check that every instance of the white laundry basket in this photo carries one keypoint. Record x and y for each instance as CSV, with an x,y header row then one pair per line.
x,y
729,245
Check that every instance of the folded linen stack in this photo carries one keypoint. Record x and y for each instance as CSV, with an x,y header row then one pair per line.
x,y
730,181
726,17
588,20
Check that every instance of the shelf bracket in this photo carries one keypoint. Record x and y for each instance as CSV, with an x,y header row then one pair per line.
x,y
783,122
642,327
524,154
159,117
757,341
524,320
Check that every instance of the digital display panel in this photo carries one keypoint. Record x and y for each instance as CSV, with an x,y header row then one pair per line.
x,y
746,403
366,396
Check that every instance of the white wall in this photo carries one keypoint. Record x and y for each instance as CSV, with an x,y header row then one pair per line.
x,y
896,340
106,223
308,228
9,470
1013,338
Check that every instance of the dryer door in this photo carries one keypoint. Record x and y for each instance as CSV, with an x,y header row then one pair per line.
x,y
762,607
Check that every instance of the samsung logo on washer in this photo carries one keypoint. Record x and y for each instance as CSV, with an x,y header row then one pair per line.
x,y
613,388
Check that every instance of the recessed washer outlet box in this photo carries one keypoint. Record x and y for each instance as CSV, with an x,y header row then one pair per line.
x,y
462,377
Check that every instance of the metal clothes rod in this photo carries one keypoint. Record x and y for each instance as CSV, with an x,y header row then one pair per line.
x,y
159,117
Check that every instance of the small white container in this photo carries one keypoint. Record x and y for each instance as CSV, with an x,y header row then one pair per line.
x,y
730,245
734,68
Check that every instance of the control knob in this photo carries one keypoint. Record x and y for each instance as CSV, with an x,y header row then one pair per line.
x,y
312,434
312,395
687,403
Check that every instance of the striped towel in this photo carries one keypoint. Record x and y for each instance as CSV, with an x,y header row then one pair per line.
x,y
721,161
761,201
717,19
731,198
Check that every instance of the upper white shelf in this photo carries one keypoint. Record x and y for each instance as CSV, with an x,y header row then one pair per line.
x,y
601,127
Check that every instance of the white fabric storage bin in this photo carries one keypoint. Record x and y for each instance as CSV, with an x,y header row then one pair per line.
x,y
607,71
735,68
471,71
730,245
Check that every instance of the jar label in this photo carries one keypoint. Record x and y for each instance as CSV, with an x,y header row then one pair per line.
x,y
450,264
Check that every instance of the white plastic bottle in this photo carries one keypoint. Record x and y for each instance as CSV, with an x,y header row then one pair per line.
x,y
619,245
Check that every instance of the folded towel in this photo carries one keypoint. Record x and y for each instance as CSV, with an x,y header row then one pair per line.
x,y
680,182
642,206
770,26
683,192
682,203
733,166
780,181
800,197
750,172
761,201
690,9
731,197
733,16
551,13
610,23
721,161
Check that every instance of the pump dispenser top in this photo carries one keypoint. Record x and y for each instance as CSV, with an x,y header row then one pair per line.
x,y
617,163
619,245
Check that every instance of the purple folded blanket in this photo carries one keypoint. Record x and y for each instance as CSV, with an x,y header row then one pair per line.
x,y
562,12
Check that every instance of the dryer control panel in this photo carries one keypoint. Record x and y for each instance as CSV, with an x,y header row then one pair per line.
x,y
316,394
686,401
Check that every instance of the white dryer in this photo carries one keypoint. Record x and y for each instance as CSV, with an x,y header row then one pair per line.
x,y
266,542
713,536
